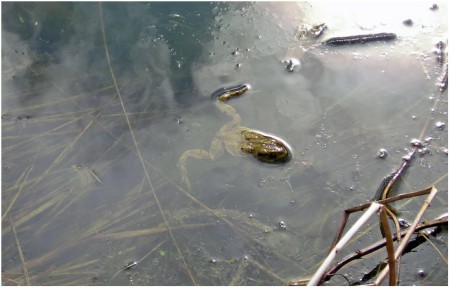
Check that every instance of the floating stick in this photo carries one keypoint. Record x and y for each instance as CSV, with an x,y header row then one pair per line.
x,y
408,235
360,39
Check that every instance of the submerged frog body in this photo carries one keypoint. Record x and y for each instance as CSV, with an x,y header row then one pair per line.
x,y
236,139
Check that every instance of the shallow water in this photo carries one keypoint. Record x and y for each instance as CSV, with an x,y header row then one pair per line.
x,y
87,191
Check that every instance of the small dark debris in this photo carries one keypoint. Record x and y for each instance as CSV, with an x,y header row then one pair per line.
x,y
23,117
408,22
443,83
434,7
6,116
440,52
291,64
440,45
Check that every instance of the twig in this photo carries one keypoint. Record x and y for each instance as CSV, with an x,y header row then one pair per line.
x,y
389,246
22,258
27,172
381,194
347,212
139,261
374,207
378,245
405,240
396,223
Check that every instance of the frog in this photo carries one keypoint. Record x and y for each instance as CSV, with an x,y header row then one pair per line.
x,y
236,139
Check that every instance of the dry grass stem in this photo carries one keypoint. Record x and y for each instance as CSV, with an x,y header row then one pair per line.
x,y
141,159
19,249
347,212
140,260
378,245
389,246
27,172
434,247
374,207
408,235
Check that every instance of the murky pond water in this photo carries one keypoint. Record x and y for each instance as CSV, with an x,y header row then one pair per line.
x,y
99,102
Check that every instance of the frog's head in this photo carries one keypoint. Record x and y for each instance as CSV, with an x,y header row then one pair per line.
x,y
272,152
266,148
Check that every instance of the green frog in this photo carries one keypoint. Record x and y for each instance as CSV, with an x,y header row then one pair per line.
x,y
236,139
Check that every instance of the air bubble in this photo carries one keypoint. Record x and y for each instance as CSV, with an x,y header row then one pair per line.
x,y
415,142
382,153
421,273
440,125
282,225
408,156
423,151
428,139
408,22
213,261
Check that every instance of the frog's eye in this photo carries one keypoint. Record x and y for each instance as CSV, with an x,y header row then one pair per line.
x,y
272,155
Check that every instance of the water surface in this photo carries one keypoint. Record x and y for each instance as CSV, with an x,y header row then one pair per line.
x,y
88,190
